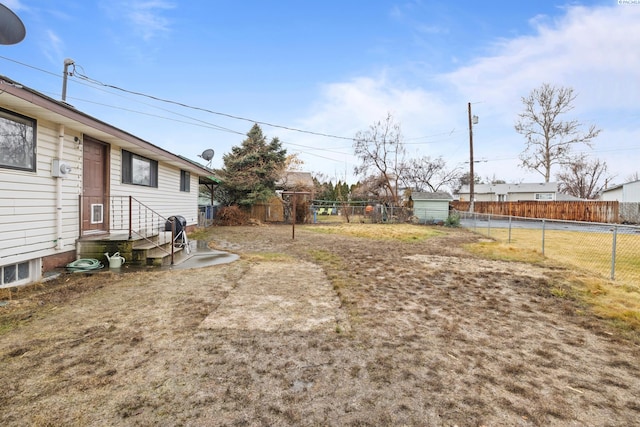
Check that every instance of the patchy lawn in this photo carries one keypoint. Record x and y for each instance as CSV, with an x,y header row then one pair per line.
x,y
379,327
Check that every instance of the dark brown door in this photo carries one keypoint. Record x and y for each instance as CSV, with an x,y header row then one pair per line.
x,y
95,197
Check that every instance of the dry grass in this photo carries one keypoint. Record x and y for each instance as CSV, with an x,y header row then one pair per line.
x,y
399,232
616,301
426,334
587,251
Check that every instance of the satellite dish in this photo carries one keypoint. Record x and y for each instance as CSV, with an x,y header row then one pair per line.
x,y
207,154
12,29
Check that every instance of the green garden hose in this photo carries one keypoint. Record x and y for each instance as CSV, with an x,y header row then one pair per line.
x,y
84,264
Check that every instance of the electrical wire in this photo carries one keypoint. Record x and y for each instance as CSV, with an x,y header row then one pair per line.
x,y
206,110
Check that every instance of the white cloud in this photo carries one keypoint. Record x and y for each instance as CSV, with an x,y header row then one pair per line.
x,y
146,16
13,5
53,46
593,50
590,49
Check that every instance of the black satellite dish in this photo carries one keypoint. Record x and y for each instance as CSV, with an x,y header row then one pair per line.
x,y
12,29
207,154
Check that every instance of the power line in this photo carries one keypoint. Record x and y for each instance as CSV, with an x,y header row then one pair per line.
x,y
206,110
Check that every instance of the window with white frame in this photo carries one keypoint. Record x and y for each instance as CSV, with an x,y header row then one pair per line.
x,y
16,274
17,141
544,196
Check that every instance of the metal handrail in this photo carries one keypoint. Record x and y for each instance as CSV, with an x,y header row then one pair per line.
x,y
147,210
126,213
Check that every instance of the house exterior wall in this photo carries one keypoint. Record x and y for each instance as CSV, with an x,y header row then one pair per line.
x,y
626,193
29,210
510,197
613,194
28,204
430,210
510,192
167,199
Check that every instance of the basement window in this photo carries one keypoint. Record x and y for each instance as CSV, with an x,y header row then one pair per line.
x,y
15,274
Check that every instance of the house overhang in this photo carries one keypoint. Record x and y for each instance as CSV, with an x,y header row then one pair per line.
x,y
33,104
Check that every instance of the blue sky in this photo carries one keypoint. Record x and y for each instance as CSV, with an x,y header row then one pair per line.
x,y
335,67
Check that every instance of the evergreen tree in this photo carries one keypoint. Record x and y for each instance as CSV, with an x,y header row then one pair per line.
x,y
251,170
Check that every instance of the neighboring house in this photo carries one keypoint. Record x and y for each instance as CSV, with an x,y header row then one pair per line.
x,y
512,192
431,207
66,176
624,193
628,196
296,181
298,187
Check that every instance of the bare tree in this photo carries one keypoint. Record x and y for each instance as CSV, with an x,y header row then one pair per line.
x,y
635,176
371,187
381,153
425,174
549,139
583,178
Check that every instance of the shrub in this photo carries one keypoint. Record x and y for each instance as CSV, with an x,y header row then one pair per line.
x,y
453,220
231,215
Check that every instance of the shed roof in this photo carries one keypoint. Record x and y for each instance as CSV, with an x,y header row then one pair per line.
x,y
438,195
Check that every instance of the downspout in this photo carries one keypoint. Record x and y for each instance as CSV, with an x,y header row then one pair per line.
x,y
59,190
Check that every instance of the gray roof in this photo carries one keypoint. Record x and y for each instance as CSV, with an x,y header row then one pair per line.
x,y
295,179
438,195
545,187
615,187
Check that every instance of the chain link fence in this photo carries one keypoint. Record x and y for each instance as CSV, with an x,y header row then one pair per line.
x,y
609,250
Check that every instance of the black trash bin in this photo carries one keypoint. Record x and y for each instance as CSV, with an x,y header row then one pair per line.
x,y
180,222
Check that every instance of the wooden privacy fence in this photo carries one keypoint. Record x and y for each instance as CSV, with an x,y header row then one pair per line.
x,y
267,212
591,211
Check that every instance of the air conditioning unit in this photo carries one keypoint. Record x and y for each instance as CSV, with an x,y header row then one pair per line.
x,y
60,169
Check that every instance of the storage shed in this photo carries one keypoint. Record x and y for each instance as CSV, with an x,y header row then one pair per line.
x,y
431,207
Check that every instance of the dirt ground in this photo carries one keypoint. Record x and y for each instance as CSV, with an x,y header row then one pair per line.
x,y
321,330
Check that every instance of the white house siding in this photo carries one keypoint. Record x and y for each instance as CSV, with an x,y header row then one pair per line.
x,y
28,211
613,195
632,192
167,199
625,193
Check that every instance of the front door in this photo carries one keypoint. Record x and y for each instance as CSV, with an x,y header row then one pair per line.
x,y
95,176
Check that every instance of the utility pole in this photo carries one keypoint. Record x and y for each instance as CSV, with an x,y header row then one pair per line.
x,y
65,74
472,120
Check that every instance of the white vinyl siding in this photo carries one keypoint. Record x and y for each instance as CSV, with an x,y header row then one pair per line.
x,y
28,202
625,193
167,199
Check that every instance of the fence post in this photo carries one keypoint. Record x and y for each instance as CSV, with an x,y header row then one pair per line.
x,y
613,252
489,225
543,224
509,228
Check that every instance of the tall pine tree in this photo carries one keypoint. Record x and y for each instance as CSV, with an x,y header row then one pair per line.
x,y
251,170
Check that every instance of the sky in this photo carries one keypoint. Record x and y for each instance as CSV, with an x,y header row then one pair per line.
x,y
314,73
